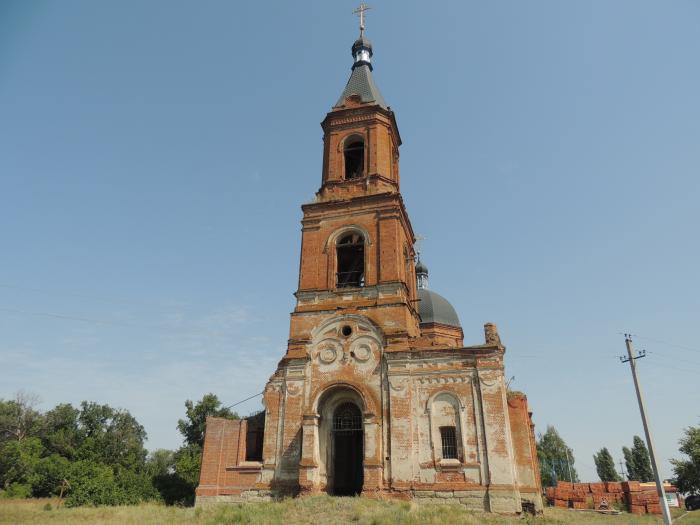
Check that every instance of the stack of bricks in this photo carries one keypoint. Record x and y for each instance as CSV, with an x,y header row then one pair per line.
x,y
641,501
603,496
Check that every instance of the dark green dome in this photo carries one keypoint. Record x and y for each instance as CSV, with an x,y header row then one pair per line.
x,y
434,308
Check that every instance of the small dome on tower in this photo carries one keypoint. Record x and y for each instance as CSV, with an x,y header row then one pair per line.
x,y
421,267
362,43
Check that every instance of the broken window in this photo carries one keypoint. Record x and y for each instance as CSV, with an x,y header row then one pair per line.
x,y
351,261
448,436
354,159
254,437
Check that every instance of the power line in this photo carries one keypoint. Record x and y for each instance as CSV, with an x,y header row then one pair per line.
x,y
82,295
657,355
246,399
682,347
671,367
67,317
89,320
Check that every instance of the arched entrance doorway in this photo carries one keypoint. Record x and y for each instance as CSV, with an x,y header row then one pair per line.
x,y
347,439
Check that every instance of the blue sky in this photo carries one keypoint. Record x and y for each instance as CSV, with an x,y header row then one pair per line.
x,y
153,158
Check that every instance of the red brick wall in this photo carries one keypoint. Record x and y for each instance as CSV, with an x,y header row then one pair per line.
x,y
224,470
524,447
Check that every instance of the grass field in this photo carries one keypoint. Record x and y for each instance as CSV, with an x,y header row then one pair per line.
x,y
313,510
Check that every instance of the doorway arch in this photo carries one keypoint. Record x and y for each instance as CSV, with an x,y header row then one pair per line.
x,y
341,408
347,442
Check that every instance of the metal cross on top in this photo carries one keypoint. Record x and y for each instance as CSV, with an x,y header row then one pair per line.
x,y
360,11
419,244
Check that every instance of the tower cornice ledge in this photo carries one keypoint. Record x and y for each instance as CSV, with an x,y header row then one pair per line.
x,y
361,113
322,208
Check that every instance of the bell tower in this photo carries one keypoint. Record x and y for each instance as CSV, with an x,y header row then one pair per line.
x,y
357,249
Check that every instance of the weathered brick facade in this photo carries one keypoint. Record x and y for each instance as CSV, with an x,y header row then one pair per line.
x,y
435,421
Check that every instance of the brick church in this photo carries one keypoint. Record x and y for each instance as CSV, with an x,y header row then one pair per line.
x,y
377,394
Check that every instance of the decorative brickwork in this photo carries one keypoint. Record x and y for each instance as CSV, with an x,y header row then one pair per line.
x,y
432,418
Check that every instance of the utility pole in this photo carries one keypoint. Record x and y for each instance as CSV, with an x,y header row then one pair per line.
x,y
659,484
568,463
622,471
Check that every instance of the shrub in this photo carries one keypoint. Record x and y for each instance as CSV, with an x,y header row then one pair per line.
x,y
136,486
17,490
48,476
93,484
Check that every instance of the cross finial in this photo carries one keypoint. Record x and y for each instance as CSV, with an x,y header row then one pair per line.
x,y
419,244
360,11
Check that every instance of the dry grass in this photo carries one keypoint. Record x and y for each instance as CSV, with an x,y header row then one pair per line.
x,y
315,510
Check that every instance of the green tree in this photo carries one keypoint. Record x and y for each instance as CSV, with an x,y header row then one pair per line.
x,y
99,450
192,428
61,433
18,459
629,464
556,458
171,485
605,465
687,471
160,462
48,474
110,436
94,484
18,417
637,461
176,474
642,461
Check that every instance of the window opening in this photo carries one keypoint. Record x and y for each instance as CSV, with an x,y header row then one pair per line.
x,y
448,435
351,261
347,418
354,159
255,436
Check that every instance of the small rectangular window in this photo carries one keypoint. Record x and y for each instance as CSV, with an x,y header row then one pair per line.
x,y
448,436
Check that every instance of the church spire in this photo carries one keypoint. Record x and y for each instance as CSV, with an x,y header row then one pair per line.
x,y
361,83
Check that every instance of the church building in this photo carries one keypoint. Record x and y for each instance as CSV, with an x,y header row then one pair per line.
x,y
377,394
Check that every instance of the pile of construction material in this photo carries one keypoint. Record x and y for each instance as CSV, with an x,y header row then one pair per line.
x,y
604,496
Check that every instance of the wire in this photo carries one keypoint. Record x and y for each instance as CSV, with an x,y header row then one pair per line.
x,y
664,365
658,356
246,399
83,295
68,317
169,329
682,347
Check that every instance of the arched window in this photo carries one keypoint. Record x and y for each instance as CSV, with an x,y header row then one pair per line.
x,y
354,158
351,261
445,423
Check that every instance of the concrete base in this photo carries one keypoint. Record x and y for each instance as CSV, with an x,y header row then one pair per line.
x,y
500,502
